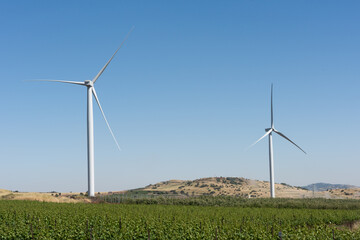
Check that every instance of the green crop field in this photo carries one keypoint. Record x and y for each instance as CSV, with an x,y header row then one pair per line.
x,y
41,220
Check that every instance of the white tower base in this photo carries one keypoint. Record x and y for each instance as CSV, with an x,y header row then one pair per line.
x,y
90,132
271,162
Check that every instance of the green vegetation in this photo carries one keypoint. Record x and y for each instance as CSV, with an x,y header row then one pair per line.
x,y
144,197
41,220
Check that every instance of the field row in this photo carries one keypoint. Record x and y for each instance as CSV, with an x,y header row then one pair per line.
x,y
40,220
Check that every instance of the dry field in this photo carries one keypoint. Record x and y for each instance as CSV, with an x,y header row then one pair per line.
x,y
46,197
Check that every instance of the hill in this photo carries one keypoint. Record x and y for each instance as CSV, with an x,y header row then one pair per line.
x,y
213,186
221,186
318,187
240,187
4,192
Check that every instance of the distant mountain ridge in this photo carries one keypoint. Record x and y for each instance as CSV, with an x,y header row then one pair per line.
x,y
318,187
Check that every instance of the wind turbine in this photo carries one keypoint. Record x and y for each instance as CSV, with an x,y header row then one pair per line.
x,y
269,132
89,84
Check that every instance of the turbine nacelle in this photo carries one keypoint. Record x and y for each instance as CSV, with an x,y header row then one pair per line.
x,y
268,129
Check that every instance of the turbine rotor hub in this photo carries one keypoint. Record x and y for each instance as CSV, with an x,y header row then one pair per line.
x,y
89,83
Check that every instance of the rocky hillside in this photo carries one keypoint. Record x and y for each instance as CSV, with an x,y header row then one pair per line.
x,y
215,186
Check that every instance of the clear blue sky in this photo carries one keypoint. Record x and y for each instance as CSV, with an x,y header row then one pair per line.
x,y
185,96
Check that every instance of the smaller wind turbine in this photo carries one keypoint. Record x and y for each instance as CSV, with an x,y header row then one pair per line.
x,y
269,132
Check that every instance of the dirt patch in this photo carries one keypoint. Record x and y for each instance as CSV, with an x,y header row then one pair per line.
x,y
352,226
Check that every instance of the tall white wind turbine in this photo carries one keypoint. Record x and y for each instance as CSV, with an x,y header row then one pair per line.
x,y
89,84
269,132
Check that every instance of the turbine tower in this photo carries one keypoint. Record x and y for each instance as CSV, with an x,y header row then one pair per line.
x,y
89,84
269,132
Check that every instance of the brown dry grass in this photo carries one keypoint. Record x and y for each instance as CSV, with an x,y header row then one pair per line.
x,y
4,192
46,197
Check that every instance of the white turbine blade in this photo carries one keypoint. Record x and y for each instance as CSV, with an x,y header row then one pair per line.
x,y
61,81
272,114
267,133
288,139
98,102
103,69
